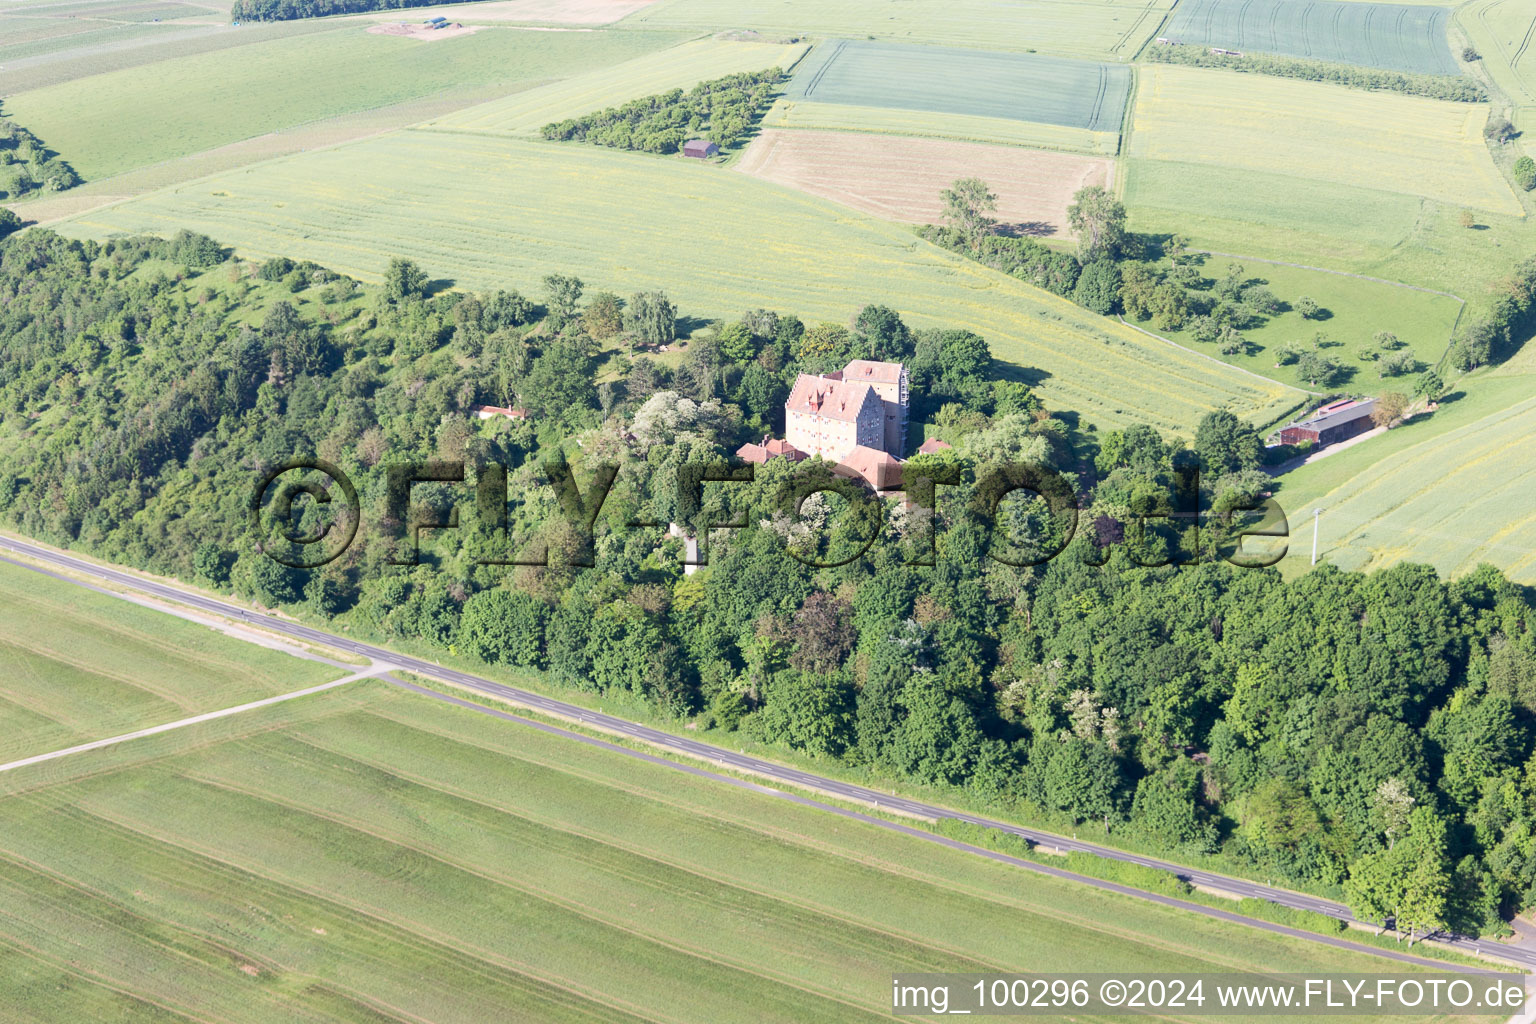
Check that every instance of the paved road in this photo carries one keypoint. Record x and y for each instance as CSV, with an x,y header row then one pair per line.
x,y
709,752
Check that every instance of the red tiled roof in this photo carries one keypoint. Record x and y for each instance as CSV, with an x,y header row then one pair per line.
x,y
932,445
868,369
496,410
873,466
771,448
838,400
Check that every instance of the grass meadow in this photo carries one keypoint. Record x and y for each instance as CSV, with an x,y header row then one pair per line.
x,y
384,857
1319,132
110,123
26,38
1359,230
966,83
497,212
1356,310
77,666
121,46
1114,29
1377,35
678,67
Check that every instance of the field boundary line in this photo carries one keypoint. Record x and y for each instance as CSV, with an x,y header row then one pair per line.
x,y
207,716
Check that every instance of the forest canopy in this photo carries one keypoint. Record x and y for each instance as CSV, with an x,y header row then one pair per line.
x,y
1323,730
289,10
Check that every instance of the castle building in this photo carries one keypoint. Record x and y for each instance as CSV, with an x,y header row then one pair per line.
x,y
863,405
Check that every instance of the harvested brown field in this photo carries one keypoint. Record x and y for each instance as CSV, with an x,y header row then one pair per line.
x,y
901,179
556,12
425,33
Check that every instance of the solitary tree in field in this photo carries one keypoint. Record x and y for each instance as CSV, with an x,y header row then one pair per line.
x,y
1098,219
1307,307
1428,386
968,208
1318,370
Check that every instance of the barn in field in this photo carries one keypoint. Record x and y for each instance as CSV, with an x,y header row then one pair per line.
x,y
1334,422
700,149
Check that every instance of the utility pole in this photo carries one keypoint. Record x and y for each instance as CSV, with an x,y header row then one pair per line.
x,y
1317,514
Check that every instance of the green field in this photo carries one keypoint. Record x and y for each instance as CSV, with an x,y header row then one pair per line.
x,y
1113,29
77,666
140,45
1365,231
1396,36
405,860
1357,309
497,212
110,123
1319,132
965,83
889,121
680,67
24,38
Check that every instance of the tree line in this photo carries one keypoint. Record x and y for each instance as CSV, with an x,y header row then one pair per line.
x,y
1460,88
290,10
1491,336
722,111
1340,731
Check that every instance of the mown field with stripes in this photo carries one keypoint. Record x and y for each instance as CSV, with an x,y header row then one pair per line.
x,y
375,856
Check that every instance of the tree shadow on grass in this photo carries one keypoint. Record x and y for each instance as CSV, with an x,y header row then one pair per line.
x,y
1030,376
1027,229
